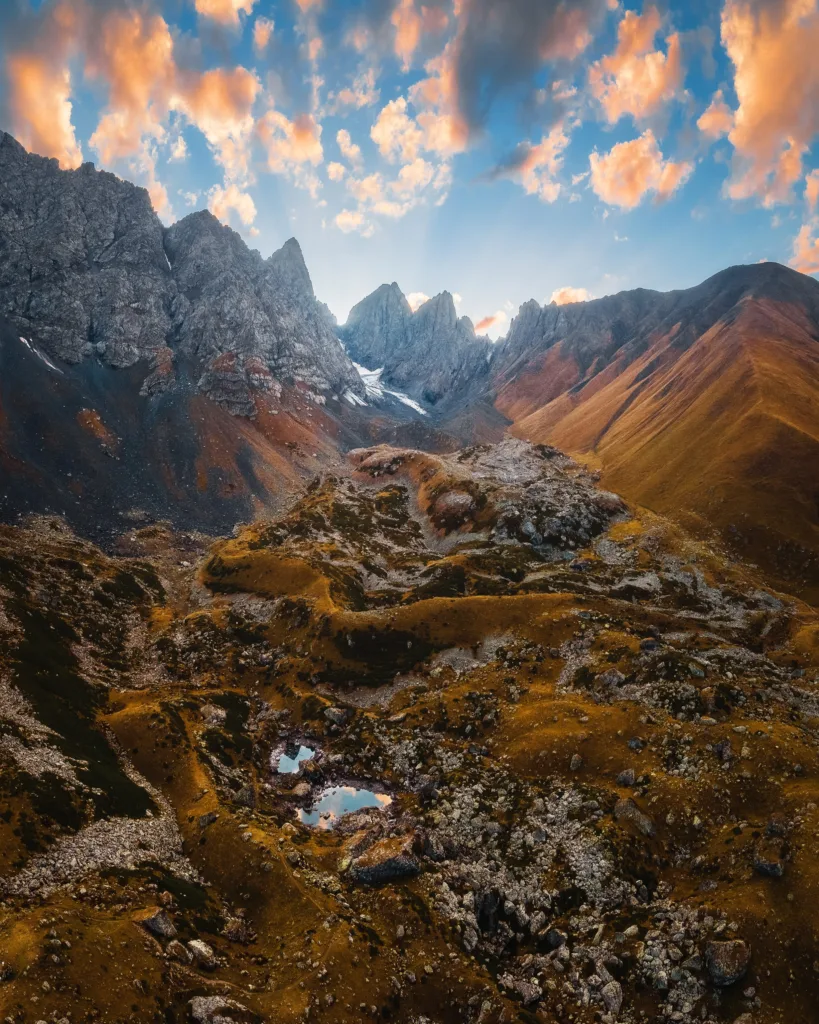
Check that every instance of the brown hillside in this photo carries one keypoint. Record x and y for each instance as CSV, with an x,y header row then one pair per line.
x,y
727,429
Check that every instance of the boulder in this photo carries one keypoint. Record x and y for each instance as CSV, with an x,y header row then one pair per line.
x,y
158,923
728,961
626,810
385,861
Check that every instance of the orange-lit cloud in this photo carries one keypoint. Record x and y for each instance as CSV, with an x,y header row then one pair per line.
x,y
223,201
773,48
717,119
40,107
805,257
491,322
263,29
224,12
362,93
539,169
630,170
637,80
220,104
565,296
292,147
406,20
367,190
444,129
812,190
133,55
308,5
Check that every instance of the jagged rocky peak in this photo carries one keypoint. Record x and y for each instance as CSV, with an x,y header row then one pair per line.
x,y
377,326
287,267
89,271
82,260
428,353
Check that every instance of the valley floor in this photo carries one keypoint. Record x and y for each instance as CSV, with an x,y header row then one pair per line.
x,y
590,744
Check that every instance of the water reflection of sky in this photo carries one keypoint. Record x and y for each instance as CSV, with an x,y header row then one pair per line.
x,y
289,765
340,800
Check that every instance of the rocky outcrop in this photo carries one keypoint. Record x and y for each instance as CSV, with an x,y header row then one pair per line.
x,y
82,265
378,326
431,354
87,270
251,323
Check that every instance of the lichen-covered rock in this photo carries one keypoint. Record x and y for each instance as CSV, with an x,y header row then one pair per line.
x,y
627,810
158,922
386,861
728,961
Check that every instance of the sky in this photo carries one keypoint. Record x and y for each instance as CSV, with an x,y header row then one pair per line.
x,y
502,150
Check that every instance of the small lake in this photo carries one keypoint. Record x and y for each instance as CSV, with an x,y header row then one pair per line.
x,y
290,765
338,801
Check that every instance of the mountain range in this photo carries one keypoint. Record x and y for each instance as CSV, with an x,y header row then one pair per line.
x,y
332,690
144,369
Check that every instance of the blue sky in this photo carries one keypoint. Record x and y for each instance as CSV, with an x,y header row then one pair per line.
x,y
500,149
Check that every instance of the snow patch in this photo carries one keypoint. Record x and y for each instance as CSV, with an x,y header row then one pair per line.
x,y
375,389
39,355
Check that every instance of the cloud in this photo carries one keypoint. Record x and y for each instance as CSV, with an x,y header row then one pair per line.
x,y
336,171
492,322
221,201
179,150
40,108
132,54
367,190
537,166
348,149
362,93
406,20
413,177
717,119
263,29
773,47
812,190
353,220
631,170
636,80
396,134
220,104
224,12
416,300
499,51
805,257
566,295
291,146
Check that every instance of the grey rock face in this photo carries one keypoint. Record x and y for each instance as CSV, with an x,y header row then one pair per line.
x,y
81,260
430,354
378,326
87,268
251,323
